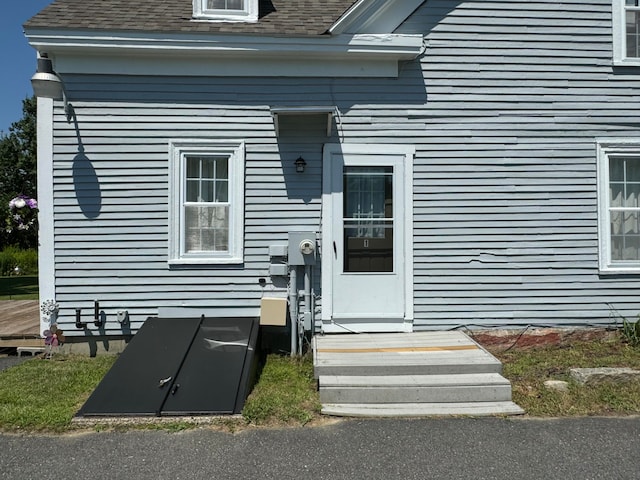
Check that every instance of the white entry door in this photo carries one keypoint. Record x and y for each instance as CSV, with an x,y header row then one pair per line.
x,y
367,253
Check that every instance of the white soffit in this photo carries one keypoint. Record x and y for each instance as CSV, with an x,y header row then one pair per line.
x,y
375,16
359,55
329,111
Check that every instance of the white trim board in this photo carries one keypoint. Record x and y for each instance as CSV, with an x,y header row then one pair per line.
x,y
216,55
329,150
46,239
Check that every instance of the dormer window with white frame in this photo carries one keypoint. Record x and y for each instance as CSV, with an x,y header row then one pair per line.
x,y
226,10
626,32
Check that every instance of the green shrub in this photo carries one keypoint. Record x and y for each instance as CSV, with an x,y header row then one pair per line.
x,y
26,261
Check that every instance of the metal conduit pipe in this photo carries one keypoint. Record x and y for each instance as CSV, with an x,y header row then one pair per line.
x,y
307,304
293,307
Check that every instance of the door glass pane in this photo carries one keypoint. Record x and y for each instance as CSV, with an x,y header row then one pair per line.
x,y
368,219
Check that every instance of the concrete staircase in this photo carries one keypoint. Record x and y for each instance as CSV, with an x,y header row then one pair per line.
x,y
409,374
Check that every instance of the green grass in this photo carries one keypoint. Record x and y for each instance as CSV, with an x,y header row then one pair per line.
x,y
43,395
285,394
19,288
528,369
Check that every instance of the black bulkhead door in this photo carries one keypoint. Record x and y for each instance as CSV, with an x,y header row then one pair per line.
x,y
142,377
210,378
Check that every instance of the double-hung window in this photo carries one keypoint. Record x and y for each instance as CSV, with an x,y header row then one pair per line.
x,y
626,32
206,202
226,10
619,205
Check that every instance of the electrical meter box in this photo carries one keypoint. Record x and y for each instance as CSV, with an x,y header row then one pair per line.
x,y
302,248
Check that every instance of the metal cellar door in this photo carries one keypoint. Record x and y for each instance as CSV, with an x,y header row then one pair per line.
x,y
180,366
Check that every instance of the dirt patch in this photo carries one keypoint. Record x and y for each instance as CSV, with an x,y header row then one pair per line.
x,y
501,340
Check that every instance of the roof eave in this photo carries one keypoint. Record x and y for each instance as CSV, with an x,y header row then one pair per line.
x,y
88,52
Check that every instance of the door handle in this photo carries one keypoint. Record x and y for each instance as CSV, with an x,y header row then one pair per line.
x,y
335,249
163,382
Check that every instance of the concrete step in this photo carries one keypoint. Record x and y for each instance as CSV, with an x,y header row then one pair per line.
x,y
473,409
483,387
409,374
430,353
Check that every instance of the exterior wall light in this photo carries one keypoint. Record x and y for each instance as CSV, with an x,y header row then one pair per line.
x,y
47,84
300,164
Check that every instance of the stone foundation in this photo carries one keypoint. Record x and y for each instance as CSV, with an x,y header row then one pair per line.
x,y
92,346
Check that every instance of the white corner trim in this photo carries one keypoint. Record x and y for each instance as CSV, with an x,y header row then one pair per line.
x,y
46,238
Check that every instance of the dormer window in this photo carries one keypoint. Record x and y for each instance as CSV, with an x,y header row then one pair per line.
x,y
226,10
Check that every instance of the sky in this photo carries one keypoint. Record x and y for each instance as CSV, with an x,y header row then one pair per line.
x,y
17,58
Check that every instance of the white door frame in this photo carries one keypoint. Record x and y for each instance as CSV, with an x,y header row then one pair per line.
x,y
328,222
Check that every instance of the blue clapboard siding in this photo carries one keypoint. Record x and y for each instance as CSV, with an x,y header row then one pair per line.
x,y
505,191
503,110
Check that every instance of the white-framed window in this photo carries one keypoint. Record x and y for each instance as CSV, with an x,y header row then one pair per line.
x,y
619,205
626,32
206,202
226,10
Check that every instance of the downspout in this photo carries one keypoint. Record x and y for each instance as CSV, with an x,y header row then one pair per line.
x,y
293,307
307,304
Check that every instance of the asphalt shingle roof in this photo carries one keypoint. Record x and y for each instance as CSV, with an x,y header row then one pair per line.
x,y
277,17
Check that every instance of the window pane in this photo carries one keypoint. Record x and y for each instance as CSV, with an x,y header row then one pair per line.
x,y
222,168
616,169
206,192
632,21
625,236
208,167
193,167
624,185
193,189
625,248
631,195
632,169
222,191
225,4
207,229
625,222
367,192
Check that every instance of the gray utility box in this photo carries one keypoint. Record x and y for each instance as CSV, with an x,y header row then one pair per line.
x,y
302,248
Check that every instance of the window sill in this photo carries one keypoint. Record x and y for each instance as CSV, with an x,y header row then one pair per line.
x,y
205,261
619,270
626,62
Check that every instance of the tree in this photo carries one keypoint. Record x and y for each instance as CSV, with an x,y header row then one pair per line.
x,y
18,177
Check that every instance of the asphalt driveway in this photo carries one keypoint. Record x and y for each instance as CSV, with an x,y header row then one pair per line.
x,y
492,448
